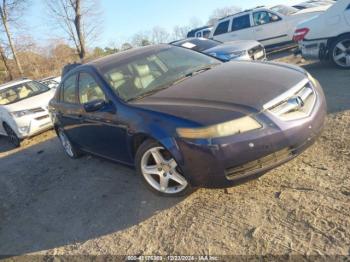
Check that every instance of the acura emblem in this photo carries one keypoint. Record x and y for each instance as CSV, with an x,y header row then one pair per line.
x,y
297,101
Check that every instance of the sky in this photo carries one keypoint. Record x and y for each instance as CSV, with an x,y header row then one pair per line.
x,y
121,19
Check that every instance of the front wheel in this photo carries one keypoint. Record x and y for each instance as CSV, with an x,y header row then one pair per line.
x,y
68,147
15,141
160,170
340,52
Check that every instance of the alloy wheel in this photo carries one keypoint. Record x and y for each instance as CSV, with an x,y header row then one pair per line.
x,y
341,53
66,143
161,171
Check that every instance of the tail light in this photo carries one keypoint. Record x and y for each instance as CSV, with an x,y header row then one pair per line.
x,y
300,34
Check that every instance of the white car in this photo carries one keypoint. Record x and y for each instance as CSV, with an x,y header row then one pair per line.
x,y
24,109
327,36
52,82
203,32
265,25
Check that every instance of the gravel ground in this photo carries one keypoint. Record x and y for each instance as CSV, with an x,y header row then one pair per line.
x,y
52,205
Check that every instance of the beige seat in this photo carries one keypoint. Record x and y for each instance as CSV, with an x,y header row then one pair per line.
x,y
145,76
4,101
24,92
117,79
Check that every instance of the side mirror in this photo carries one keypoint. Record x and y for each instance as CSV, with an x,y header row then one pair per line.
x,y
94,105
275,18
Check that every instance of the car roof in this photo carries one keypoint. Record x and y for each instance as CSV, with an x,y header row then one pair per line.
x,y
243,12
191,39
125,56
14,83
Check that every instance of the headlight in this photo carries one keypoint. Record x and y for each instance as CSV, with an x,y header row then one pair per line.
x,y
237,54
229,56
21,113
229,128
313,81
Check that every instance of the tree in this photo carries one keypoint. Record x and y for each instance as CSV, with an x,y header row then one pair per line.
x,y
126,46
140,39
79,22
160,35
180,32
8,12
222,12
6,65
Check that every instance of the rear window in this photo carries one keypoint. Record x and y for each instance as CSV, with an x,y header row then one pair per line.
x,y
222,28
241,22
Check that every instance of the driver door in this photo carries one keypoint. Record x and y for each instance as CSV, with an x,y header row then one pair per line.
x,y
269,28
100,132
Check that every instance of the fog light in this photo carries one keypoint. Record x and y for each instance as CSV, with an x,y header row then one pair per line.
x,y
24,129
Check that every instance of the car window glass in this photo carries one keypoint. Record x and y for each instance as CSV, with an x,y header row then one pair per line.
x,y
222,28
153,71
206,33
68,94
240,22
263,17
89,90
348,8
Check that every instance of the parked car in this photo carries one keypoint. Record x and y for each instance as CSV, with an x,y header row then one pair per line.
x,y
24,109
235,50
327,37
313,3
51,82
262,24
200,32
185,119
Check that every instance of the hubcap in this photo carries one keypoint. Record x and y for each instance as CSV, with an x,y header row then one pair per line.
x,y
65,143
341,53
161,171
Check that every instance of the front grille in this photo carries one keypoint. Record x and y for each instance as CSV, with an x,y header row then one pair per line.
x,y
257,53
42,117
256,165
37,110
294,105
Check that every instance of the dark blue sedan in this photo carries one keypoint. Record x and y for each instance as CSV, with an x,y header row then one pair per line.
x,y
184,119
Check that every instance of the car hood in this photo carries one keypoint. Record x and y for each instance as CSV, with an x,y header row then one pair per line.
x,y
233,46
316,9
226,92
41,100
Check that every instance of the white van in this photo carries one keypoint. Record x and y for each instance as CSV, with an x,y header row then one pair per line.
x,y
327,36
265,25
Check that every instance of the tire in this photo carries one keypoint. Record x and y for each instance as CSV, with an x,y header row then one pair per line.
x,y
14,139
340,52
159,170
67,145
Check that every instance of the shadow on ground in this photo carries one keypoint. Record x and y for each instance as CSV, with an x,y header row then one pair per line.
x,y
58,201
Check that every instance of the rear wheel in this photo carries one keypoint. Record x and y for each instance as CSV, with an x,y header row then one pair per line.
x,y
15,141
160,170
340,52
68,147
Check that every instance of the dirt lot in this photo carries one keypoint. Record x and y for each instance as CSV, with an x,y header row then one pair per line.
x,y
50,204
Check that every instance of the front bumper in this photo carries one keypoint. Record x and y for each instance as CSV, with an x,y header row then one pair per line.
x,y
230,160
32,125
315,49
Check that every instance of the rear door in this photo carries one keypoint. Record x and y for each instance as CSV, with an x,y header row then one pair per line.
x,y
69,110
269,28
241,28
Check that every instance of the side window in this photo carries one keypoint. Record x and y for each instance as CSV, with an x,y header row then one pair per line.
x,y
263,17
222,28
89,90
206,33
348,8
199,34
68,93
240,22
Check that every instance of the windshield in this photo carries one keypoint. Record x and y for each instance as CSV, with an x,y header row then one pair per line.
x,y
284,9
22,91
198,44
148,73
